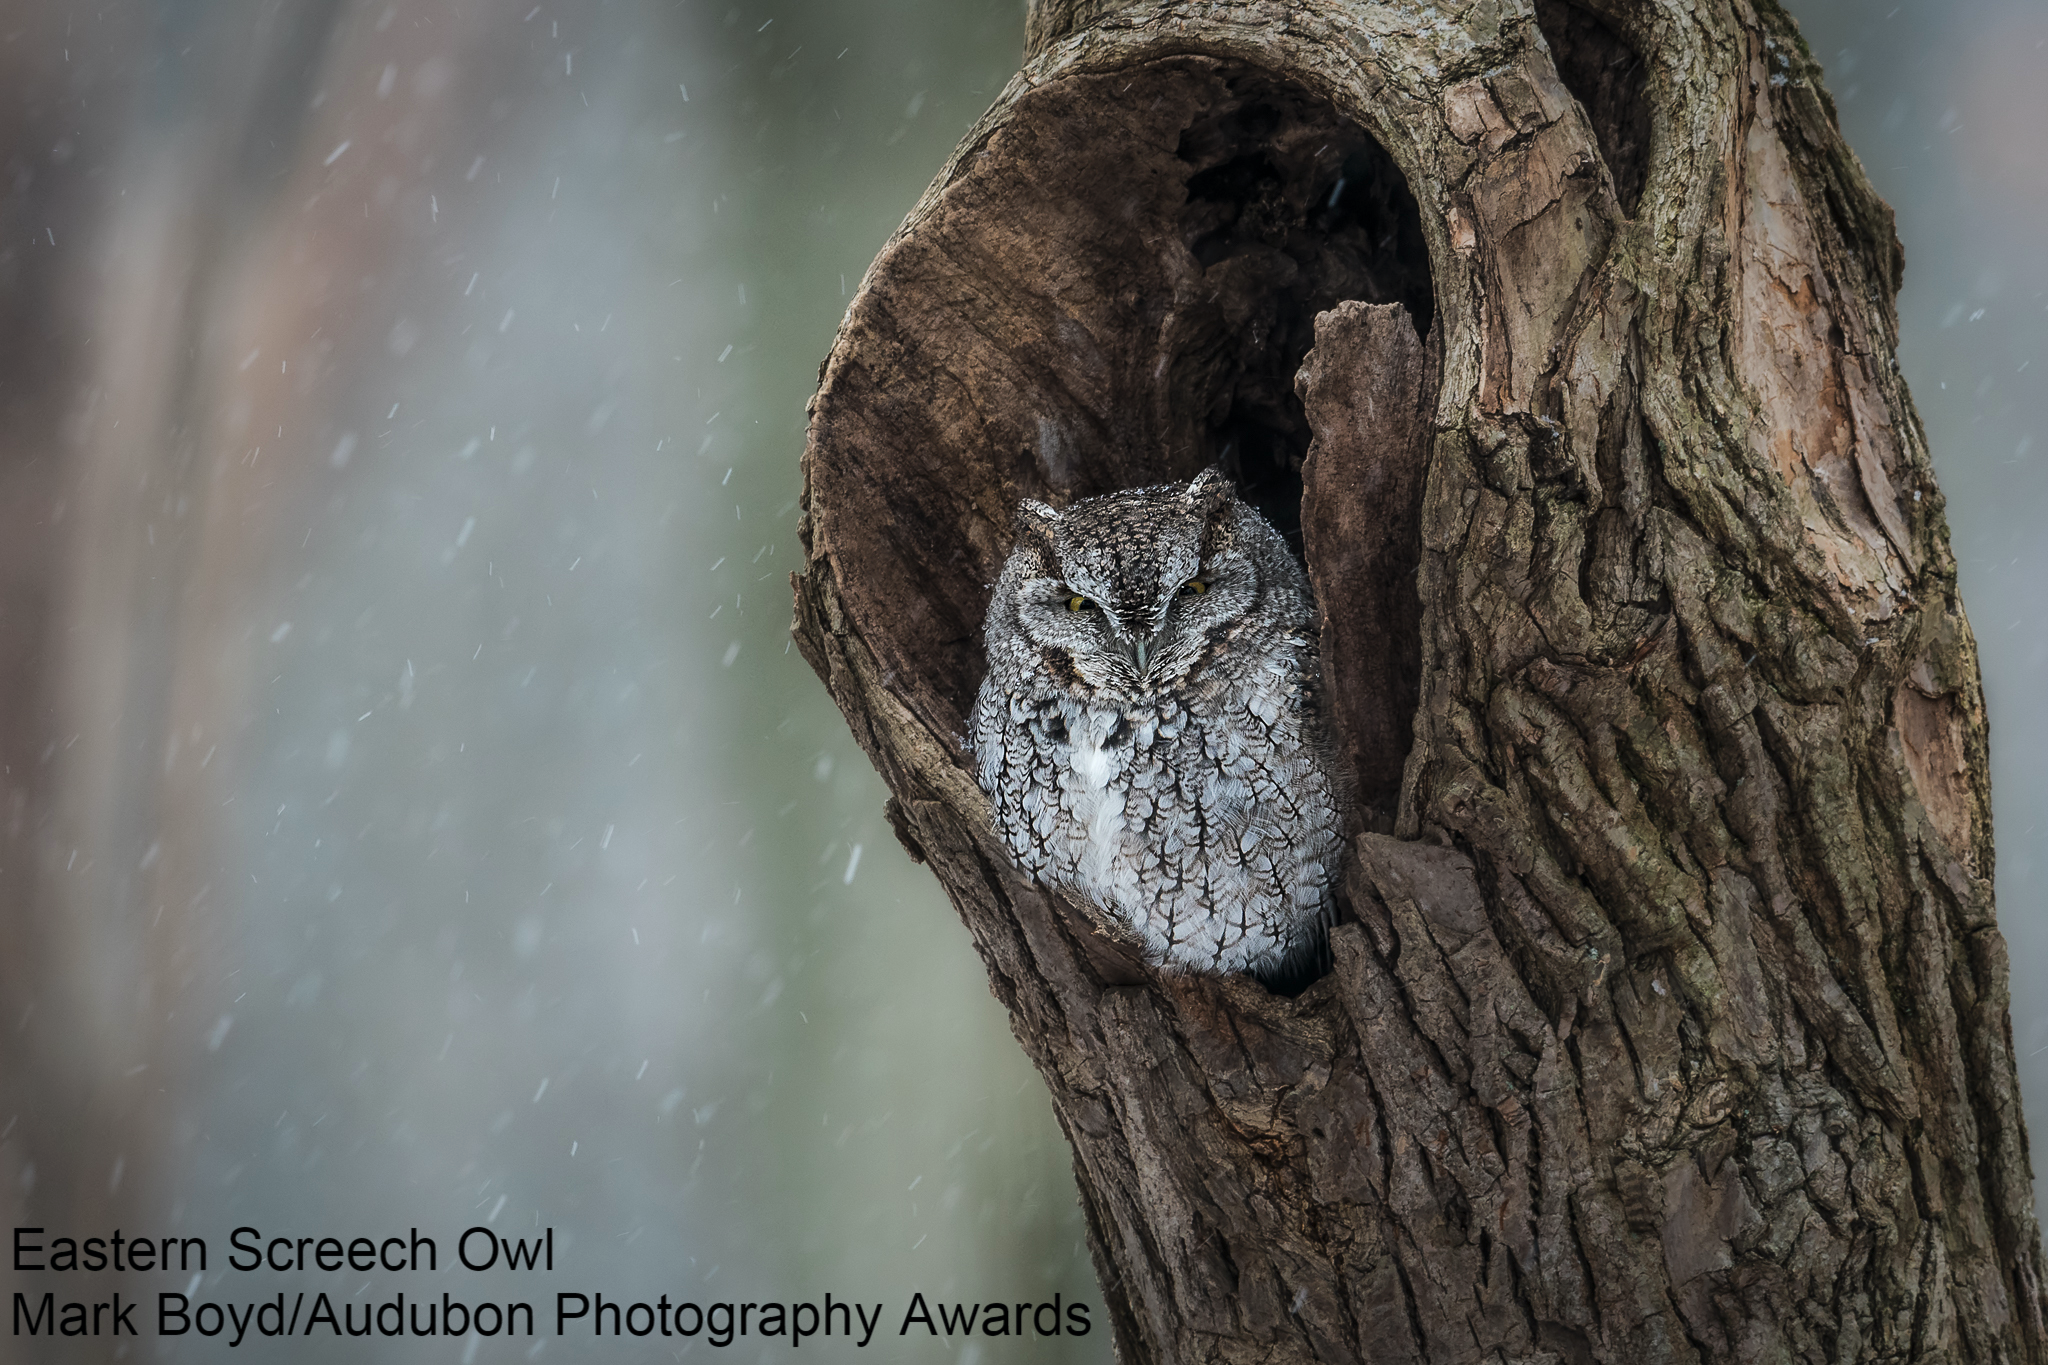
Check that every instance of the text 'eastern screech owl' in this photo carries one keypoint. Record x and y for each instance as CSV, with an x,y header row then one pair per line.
x,y
1149,729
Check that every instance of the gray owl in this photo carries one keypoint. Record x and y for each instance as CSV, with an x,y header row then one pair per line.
x,y
1149,729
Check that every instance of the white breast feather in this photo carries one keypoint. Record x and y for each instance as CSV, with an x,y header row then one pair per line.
x,y
1098,800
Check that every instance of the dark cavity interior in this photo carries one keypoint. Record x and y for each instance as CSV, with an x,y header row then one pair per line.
x,y
1607,78
1291,208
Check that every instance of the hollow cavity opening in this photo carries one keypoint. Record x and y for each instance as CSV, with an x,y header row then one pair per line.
x,y
1607,77
1117,290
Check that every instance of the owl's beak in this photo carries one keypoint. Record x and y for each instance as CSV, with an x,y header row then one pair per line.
x,y
1139,649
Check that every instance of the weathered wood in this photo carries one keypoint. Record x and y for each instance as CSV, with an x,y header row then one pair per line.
x,y
1366,389
1669,1019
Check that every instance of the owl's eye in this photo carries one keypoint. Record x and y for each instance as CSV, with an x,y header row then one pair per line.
x,y
1194,587
1076,603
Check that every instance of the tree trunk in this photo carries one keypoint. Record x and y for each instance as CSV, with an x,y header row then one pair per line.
x,y
1669,1017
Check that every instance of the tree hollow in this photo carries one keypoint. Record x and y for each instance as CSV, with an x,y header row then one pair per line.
x,y
1196,217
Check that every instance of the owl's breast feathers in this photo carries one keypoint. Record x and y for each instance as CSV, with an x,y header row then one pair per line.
x,y
1178,830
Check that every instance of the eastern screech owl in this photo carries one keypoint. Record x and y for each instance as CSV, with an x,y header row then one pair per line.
x,y
1149,729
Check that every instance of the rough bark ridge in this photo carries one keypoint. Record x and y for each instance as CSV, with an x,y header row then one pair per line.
x,y
1670,1021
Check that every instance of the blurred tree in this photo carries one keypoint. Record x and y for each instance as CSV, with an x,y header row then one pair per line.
x,y
1671,1020
343,613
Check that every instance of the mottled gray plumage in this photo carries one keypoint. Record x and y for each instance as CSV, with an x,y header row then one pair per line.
x,y
1149,729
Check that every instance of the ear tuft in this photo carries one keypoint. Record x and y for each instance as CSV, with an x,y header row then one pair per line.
x,y
1033,515
1209,491
1037,524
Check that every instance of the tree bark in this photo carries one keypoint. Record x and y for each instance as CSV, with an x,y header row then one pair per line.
x,y
1668,1019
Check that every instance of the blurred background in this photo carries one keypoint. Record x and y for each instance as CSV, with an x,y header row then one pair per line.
x,y
410,811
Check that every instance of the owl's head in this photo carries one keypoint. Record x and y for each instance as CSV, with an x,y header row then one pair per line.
x,y
1135,592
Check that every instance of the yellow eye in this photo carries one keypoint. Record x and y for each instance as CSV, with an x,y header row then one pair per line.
x,y
1076,603
1195,585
